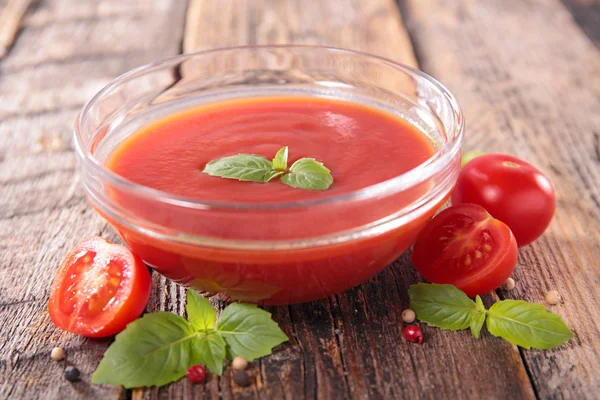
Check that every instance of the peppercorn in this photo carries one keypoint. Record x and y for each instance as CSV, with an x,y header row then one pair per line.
x,y
196,373
408,316
57,354
241,378
239,363
553,297
72,374
509,284
413,333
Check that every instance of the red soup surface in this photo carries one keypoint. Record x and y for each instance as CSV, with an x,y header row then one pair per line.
x,y
361,146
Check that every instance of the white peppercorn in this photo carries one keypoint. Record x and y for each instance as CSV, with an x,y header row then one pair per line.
x,y
509,284
408,316
57,354
552,297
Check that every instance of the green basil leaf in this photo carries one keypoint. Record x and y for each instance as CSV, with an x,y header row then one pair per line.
x,y
210,349
152,351
443,306
307,173
200,312
281,159
249,331
469,156
244,167
527,324
477,317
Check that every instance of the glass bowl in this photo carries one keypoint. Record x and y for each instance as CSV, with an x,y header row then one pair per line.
x,y
269,261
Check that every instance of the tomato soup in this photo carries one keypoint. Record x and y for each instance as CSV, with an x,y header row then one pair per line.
x,y
361,145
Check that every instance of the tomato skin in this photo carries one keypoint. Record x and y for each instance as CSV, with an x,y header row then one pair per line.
x,y
510,189
99,288
465,247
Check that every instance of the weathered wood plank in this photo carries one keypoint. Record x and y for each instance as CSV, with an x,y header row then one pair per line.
x,y
65,52
374,26
351,345
534,95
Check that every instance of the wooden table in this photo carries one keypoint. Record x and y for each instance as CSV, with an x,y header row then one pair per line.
x,y
528,78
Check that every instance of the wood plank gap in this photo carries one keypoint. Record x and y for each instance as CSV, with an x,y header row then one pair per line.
x,y
501,295
402,11
529,372
337,333
400,292
293,324
587,16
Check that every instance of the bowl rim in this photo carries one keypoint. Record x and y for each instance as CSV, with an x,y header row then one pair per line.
x,y
403,181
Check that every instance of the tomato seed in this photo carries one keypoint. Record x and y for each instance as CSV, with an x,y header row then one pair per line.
x,y
114,282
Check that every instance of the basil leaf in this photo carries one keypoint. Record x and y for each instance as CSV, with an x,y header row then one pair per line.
x,y
307,173
244,167
477,317
527,324
200,312
249,331
152,351
443,306
281,159
210,349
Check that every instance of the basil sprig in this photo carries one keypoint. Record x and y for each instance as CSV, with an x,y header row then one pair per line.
x,y
306,173
519,322
158,348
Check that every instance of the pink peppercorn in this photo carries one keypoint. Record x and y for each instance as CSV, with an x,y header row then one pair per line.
x,y
196,373
413,333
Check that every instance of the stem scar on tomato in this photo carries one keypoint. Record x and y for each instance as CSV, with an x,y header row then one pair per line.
x,y
510,164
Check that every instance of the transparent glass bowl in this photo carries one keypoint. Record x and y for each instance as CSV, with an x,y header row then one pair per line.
x,y
269,261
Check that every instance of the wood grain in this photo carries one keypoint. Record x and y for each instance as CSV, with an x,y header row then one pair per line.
x,y
524,73
351,345
534,96
374,26
65,52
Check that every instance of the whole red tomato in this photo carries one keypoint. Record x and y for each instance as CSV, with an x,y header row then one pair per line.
x,y
511,190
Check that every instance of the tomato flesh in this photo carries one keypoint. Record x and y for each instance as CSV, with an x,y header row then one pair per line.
x,y
99,288
465,247
510,189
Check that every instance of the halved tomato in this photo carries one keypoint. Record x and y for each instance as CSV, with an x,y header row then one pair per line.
x,y
465,247
99,288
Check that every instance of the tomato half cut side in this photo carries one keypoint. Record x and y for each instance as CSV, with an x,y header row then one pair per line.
x,y
465,247
99,288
